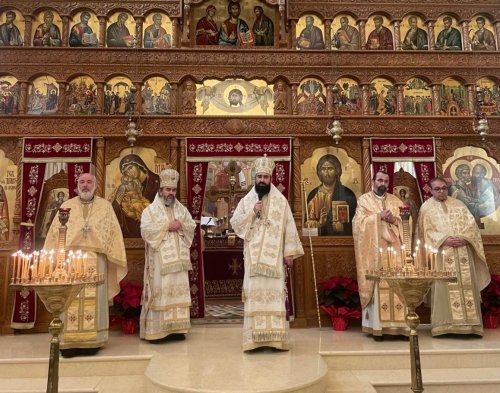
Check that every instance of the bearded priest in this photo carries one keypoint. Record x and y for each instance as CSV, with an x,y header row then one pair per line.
x,y
264,220
168,230
92,228
378,237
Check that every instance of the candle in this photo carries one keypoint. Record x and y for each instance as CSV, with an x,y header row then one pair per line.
x,y
34,271
51,262
380,250
14,266
389,257
18,270
85,263
403,255
443,260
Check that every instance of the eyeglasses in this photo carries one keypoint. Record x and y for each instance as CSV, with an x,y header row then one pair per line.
x,y
437,189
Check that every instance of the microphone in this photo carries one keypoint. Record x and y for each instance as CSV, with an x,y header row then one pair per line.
x,y
260,196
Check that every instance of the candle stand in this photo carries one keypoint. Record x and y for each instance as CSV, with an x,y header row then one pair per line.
x,y
57,281
411,288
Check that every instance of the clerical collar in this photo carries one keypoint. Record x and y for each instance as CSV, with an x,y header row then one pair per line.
x,y
86,202
378,196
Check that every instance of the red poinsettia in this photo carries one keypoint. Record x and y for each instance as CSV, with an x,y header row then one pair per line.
x,y
490,297
128,301
340,297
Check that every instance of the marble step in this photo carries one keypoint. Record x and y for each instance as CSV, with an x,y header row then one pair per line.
x,y
94,384
76,367
473,380
400,359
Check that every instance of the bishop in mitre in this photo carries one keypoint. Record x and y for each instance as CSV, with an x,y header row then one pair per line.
x,y
378,237
168,230
92,228
264,220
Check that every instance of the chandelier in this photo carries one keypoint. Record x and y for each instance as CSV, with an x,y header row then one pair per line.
x,y
482,127
334,128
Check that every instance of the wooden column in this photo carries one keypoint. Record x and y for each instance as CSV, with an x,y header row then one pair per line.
x,y
175,32
28,25
173,99
138,31
295,191
282,33
23,98
102,31
61,99
294,99
362,33
401,99
329,100
430,33
328,34
397,35
365,90
367,176
138,98
65,30
100,167
465,35
100,98
471,98
497,30
182,172
436,99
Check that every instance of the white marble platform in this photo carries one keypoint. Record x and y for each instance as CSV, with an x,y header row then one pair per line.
x,y
211,360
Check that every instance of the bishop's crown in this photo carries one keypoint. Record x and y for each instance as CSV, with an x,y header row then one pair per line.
x,y
264,165
169,178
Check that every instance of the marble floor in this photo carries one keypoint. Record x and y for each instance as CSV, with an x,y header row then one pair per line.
x,y
211,360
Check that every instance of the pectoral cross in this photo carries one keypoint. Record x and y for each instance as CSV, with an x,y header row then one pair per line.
x,y
86,229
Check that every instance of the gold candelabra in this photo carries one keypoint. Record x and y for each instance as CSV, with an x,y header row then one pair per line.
x,y
411,283
57,278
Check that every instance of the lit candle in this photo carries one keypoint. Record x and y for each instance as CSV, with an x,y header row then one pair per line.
x,y
35,265
443,260
380,250
85,263
51,262
13,266
18,270
389,257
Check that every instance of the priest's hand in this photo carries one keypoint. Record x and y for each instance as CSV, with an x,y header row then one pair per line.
x,y
257,208
289,261
386,215
455,241
174,225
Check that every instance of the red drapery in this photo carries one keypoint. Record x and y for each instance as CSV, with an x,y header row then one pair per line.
x,y
37,152
421,151
199,151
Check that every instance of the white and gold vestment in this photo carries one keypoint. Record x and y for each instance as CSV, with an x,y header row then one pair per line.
x,y
456,307
268,239
93,228
377,244
166,298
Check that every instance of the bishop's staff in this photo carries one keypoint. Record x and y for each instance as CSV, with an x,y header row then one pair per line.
x,y
303,183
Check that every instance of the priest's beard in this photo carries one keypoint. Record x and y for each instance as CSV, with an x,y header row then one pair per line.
x,y
86,195
169,201
380,190
262,188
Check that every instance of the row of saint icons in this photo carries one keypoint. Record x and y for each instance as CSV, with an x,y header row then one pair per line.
x,y
44,267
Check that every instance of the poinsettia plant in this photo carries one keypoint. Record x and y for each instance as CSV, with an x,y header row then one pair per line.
x,y
490,297
340,297
128,302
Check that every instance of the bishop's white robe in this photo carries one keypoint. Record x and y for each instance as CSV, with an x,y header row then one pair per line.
x,y
456,307
383,312
268,240
93,228
166,297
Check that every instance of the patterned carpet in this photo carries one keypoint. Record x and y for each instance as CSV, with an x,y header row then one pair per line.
x,y
223,313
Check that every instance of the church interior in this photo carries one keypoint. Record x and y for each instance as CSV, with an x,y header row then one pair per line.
x,y
126,89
